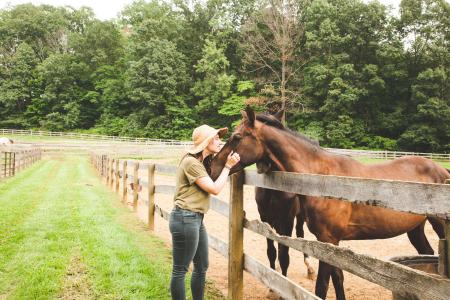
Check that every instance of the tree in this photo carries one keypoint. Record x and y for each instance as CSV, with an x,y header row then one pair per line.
x,y
17,75
430,127
61,100
156,81
343,86
271,39
101,43
243,96
424,24
41,27
214,84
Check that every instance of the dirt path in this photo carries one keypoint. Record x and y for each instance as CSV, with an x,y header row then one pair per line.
x,y
255,245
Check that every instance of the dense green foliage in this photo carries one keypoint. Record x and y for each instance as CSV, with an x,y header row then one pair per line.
x,y
350,74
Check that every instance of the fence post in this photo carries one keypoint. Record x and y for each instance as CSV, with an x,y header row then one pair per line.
x,y
151,196
20,166
135,185
447,248
124,182
9,164
14,164
101,165
117,176
111,173
236,238
107,170
444,252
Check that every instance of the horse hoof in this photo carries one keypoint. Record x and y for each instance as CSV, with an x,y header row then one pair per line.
x,y
271,295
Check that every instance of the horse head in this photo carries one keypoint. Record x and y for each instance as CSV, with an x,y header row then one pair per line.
x,y
246,141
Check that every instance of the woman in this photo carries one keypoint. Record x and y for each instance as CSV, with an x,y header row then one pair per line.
x,y
189,237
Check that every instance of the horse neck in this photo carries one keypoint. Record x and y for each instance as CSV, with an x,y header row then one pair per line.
x,y
293,154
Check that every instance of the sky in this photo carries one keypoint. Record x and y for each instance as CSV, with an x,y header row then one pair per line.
x,y
107,9
103,9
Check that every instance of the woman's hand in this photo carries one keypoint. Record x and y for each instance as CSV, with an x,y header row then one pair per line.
x,y
214,187
232,159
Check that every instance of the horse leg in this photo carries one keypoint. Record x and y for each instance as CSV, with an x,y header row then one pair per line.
x,y
419,240
325,272
323,279
438,226
338,282
283,251
301,233
271,253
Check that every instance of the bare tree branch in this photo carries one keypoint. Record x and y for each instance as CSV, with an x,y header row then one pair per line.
x,y
271,40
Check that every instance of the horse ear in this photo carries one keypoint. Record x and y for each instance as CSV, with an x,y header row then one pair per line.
x,y
250,116
244,115
279,114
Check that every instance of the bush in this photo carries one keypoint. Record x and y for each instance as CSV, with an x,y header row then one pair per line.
x,y
380,143
15,123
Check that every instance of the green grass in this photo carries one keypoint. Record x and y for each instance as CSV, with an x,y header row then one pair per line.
x,y
64,234
445,164
36,138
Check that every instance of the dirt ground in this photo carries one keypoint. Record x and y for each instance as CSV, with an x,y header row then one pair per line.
x,y
255,245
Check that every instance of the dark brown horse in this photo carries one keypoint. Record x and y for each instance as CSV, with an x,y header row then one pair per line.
x,y
280,210
261,139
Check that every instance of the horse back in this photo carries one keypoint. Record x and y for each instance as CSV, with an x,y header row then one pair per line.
x,y
409,168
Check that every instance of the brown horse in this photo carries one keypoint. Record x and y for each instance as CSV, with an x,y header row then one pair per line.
x,y
277,208
263,139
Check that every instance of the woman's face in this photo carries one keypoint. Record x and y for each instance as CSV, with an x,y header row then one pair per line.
x,y
214,145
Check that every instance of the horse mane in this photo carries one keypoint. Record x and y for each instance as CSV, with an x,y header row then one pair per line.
x,y
274,122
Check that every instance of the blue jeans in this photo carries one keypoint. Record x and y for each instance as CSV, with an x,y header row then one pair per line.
x,y
189,243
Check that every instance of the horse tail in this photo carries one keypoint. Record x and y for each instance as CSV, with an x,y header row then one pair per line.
x,y
448,171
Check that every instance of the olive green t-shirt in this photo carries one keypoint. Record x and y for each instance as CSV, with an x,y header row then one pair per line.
x,y
188,195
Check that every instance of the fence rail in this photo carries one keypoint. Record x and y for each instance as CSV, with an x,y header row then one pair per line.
x,y
390,275
97,137
13,160
383,154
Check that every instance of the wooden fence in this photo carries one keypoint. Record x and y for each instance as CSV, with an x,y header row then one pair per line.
x,y
385,154
96,137
381,154
403,196
14,160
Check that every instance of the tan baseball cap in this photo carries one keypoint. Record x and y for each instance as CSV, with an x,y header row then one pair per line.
x,y
202,135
